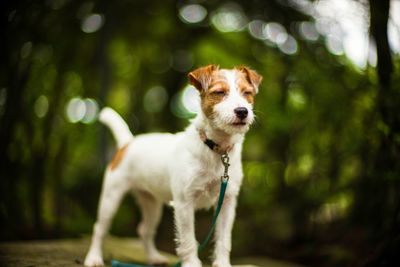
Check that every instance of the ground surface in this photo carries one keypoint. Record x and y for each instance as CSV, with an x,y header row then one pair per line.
x,y
71,253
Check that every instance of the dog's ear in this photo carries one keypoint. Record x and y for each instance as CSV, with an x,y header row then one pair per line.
x,y
252,76
201,77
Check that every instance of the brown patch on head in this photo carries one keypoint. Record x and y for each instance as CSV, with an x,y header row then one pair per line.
x,y
118,157
245,87
211,85
201,77
251,76
216,91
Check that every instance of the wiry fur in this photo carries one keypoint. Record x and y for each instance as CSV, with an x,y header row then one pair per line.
x,y
161,167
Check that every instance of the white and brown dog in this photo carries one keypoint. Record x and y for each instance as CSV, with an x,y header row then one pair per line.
x,y
160,167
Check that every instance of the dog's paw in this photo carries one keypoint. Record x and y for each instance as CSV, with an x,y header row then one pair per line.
x,y
93,260
221,264
158,259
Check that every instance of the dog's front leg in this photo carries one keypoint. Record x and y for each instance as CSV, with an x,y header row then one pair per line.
x,y
186,240
223,232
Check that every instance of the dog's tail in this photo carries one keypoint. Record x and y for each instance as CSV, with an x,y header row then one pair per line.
x,y
117,125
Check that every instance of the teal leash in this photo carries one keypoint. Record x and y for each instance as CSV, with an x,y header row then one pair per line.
x,y
224,184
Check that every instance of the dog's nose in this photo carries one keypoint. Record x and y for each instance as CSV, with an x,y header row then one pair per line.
x,y
241,112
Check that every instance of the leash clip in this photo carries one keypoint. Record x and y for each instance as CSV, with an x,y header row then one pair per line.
x,y
225,162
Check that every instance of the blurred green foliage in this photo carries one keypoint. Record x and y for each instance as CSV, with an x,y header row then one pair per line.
x,y
311,190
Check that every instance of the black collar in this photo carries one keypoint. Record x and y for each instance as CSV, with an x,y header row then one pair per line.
x,y
213,145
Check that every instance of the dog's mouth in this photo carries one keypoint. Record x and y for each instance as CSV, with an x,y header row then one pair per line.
x,y
239,123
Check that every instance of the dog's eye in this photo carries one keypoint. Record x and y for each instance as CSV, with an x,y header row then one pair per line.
x,y
219,92
247,93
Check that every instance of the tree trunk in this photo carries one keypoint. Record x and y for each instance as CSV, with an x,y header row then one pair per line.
x,y
378,195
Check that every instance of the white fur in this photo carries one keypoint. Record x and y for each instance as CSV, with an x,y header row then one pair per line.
x,y
117,125
162,167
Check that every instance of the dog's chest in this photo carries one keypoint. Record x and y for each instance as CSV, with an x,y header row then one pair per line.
x,y
206,187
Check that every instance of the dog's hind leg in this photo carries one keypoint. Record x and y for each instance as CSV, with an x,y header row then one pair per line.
x,y
113,191
151,209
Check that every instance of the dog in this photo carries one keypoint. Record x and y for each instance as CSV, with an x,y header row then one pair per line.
x,y
184,168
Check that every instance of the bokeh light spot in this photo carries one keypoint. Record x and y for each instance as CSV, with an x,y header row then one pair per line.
x,y
91,110
334,45
274,32
192,13
75,110
229,18
296,98
289,46
82,110
308,31
186,103
155,99
256,29
306,163
92,23
191,99
41,106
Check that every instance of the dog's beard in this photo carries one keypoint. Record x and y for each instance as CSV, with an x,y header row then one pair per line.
x,y
229,123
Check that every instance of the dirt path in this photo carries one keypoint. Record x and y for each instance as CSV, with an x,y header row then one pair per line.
x,y
71,252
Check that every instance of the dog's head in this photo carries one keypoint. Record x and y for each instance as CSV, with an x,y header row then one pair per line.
x,y
227,96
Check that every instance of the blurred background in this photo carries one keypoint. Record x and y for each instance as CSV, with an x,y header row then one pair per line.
x,y
321,164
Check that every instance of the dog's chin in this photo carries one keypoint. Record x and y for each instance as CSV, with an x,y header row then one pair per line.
x,y
237,127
